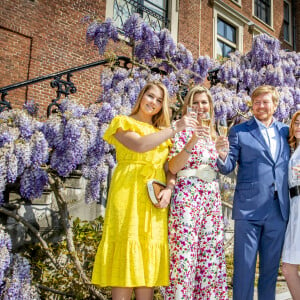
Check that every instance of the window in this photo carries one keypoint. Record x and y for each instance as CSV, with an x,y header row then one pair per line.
x,y
237,2
226,38
286,22
262,10
154,12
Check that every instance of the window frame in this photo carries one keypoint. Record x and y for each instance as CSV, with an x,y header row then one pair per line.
x,y
237,2
289,24
270,25
233,20
224,39
172,6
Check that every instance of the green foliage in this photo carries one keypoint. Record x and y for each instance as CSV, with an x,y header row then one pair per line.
x,y
87,236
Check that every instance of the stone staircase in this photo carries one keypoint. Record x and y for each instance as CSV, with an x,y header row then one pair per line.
x,y
43,211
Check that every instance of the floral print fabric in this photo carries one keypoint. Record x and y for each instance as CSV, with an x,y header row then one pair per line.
x,y
196,236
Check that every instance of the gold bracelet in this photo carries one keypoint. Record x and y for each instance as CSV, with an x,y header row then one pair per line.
x,y
187,151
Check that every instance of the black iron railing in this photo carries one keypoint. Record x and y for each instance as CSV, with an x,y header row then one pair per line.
x,y
64,87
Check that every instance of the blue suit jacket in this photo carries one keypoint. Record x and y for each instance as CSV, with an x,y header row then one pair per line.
x,y
258,172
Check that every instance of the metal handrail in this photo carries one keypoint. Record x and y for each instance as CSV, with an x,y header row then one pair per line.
x,y
64,87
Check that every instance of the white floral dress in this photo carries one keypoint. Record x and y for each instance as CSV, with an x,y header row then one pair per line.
x,y
196,236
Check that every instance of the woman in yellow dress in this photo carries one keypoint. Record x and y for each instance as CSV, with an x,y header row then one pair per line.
x,y
133,253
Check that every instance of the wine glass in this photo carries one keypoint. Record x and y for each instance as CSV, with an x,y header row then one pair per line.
x,y
205,121
223,130
296,169
192,111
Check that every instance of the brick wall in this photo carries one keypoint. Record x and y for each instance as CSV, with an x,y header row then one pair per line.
x,y
191,26
40,37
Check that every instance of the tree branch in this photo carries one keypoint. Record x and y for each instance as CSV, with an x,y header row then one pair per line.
x,y
54,182
36,233
46,288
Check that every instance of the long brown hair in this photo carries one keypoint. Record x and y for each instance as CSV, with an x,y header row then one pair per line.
x,y
162,118
188,101
292,138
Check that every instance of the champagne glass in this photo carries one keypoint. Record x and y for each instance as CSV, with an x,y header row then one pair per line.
x,y
192,112
205,121
223,130
296,169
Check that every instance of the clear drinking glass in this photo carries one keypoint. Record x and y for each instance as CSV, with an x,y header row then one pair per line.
x,y
205,122
296,169
192,112
223,131
223,128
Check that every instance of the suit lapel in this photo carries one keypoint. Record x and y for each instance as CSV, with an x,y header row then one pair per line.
x,y
256,133
281,140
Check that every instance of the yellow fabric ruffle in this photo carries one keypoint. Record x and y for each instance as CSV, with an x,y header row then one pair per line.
x,y
151,267
134,247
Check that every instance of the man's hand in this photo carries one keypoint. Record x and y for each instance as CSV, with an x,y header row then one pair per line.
x,y
221,145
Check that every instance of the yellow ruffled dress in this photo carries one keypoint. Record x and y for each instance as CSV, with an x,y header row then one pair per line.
x,y
134,247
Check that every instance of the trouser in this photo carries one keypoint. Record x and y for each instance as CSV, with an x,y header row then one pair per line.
x,y
265,238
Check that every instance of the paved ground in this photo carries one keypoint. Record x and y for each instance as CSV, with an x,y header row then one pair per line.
x,y
282,292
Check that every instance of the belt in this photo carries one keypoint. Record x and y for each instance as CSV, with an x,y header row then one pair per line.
x,y
203,172
295,191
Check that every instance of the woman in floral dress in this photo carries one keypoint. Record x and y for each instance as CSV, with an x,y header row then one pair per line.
x,y
197,259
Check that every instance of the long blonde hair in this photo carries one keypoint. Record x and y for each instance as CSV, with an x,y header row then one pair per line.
x,y
188,101
162,118
292,139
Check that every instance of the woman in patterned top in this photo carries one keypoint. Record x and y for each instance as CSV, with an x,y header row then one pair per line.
x,y
197,259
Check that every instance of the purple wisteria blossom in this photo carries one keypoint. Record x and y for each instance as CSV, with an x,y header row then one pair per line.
x,y
23,146
167,45
31,107
201,67
32,183
15,277
265,63
5,258
133,27
100,33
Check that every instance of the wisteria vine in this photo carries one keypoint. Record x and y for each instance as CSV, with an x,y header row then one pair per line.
x,y
265,63
72,138
15,277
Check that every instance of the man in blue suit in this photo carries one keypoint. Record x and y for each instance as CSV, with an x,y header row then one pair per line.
x,y
261,203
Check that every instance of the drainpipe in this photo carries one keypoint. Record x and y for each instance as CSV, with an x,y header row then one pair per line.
x,y
200,29
294,25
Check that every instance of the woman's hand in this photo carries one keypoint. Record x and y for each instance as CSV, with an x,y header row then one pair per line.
x,y
222,144
201,132
165,197
184,122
